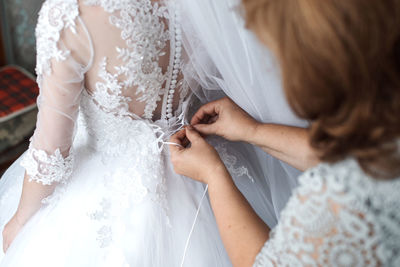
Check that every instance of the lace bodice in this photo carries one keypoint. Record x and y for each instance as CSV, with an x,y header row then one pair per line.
x,y
338,216
108,63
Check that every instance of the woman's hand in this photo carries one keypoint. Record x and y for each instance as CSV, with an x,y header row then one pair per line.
x,y
224,118
200,161
10,231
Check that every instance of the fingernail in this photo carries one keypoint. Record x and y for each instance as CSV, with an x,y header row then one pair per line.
x,y
190,127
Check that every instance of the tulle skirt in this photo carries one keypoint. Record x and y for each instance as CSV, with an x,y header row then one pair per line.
x,y
105,217
125,206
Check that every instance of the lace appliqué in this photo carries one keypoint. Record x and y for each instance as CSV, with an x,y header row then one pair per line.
x,y
230,162
337,217
146,36
47,169
54,16
124,189
108,94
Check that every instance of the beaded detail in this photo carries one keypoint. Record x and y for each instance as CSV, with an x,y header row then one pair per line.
x,y
177,40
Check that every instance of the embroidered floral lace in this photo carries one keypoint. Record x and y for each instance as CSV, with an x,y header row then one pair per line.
x,y
337,217
109,77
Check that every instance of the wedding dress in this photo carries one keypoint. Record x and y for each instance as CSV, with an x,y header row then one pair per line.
x,y
112,92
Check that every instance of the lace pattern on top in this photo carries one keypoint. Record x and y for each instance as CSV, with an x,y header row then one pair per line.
x,y
54,16
47,169
337,217
146,28
146,35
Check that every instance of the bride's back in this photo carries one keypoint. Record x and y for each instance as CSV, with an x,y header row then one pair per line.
x,y
132,51
113,62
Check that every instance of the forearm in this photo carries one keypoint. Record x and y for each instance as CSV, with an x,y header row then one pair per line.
x,y
31,199
242,231
287,143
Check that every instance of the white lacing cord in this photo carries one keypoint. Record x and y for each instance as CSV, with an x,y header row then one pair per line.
x,y
194,224
174,144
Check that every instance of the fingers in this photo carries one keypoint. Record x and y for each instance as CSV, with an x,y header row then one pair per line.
x,y
183,138
179,139
192,135
206,129
209,110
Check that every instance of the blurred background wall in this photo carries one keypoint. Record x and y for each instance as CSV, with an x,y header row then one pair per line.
x,y
18,21
17,63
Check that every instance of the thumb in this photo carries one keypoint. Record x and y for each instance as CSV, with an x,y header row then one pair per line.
x,y
206,129
192,135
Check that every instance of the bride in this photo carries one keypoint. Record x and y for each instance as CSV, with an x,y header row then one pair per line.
x,y
96,187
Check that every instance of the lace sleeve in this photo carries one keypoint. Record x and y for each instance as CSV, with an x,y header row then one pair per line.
x,y
330,222
64,54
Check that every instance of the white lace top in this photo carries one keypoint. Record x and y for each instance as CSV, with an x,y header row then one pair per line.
x,y
114,61
338,216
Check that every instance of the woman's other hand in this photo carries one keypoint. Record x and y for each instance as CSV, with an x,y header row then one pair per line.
x,y
224,118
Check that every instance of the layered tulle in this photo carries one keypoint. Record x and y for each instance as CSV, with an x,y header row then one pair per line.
x,y
107,216
225,58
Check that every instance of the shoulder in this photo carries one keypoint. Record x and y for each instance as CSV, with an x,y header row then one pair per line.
x,y
58,13
55,16
347,177
341,213
346,185
357,206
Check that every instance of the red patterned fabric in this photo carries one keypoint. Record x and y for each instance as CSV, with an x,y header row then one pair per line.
x,y
17,91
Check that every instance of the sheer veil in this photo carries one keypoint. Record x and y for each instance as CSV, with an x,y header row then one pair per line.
x,y
228,59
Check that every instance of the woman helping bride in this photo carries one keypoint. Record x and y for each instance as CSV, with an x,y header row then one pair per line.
x,y
97,185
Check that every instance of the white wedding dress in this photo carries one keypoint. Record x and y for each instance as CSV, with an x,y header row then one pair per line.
x,y
112,92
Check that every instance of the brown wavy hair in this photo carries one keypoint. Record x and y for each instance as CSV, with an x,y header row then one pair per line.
x,y
340,62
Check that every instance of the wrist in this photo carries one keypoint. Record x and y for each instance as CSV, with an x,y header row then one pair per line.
x,y
219,176
22,217
251,131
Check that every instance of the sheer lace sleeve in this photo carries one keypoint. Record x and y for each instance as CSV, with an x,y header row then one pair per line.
x,y
64,54
337,217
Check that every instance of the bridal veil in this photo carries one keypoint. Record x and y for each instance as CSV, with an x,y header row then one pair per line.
x,y
227,59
